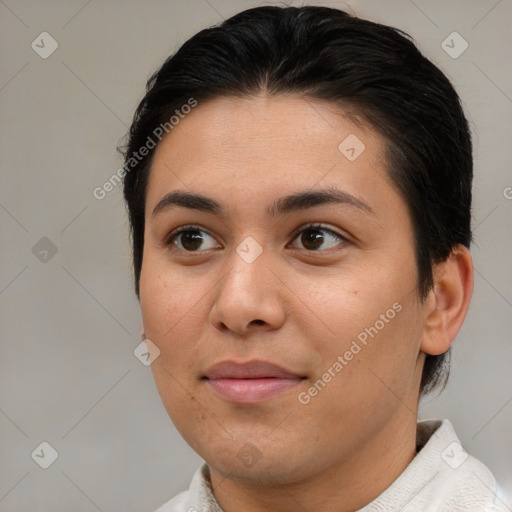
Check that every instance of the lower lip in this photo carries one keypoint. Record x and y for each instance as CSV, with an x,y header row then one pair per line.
x,y
251,390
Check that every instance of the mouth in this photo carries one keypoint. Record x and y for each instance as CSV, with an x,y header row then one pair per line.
x,y
250,382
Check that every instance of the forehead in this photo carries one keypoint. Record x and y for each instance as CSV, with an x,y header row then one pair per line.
x,y
232,126
247,148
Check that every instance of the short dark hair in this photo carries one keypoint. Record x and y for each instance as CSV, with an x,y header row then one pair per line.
x,y
322,53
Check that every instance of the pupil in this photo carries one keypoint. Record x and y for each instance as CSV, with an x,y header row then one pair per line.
x,y
314,236
191,236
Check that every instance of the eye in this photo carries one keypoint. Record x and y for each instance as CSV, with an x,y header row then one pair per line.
x,y
189,237
312,237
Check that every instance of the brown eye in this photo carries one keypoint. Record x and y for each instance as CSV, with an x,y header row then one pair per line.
x,y
314,237
187,238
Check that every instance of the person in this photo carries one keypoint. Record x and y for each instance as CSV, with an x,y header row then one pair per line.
x,y
298,183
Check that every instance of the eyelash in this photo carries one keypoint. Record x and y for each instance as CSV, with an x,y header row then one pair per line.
x,y
192,227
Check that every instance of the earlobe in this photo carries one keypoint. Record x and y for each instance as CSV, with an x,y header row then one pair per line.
x,y
448,301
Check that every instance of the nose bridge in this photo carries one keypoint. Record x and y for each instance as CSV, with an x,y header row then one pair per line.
x,y
248,292
249,250
247,264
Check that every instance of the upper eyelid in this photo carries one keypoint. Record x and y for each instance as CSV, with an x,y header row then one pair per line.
x,y
318,225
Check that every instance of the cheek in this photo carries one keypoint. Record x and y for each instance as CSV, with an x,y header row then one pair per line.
x,y
375,328
354,304
173,315
372,379
167,298
170,312
389,347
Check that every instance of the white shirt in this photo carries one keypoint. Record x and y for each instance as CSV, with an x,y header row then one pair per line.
x,y
442,477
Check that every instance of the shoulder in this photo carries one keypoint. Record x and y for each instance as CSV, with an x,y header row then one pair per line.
x,y
176,504
442,477
458,481
468,487
198,498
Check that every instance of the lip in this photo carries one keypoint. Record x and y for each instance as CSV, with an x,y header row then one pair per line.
x,y
250,382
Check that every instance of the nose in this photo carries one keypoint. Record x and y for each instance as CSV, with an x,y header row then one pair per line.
x,y
249,298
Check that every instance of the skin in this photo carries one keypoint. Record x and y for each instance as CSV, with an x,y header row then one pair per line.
x,y
296,307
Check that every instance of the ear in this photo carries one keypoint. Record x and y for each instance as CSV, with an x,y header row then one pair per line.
x,y
448,301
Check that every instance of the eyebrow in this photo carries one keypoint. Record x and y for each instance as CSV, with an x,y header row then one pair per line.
x,y
287,204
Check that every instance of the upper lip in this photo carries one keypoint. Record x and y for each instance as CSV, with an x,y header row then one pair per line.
x,y
254,369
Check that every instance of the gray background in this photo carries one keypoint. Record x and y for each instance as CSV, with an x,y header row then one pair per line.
x,y
70,320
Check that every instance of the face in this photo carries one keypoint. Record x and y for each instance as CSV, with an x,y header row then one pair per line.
x,y
311,302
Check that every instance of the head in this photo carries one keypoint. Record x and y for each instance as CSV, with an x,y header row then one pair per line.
x,y
280,102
